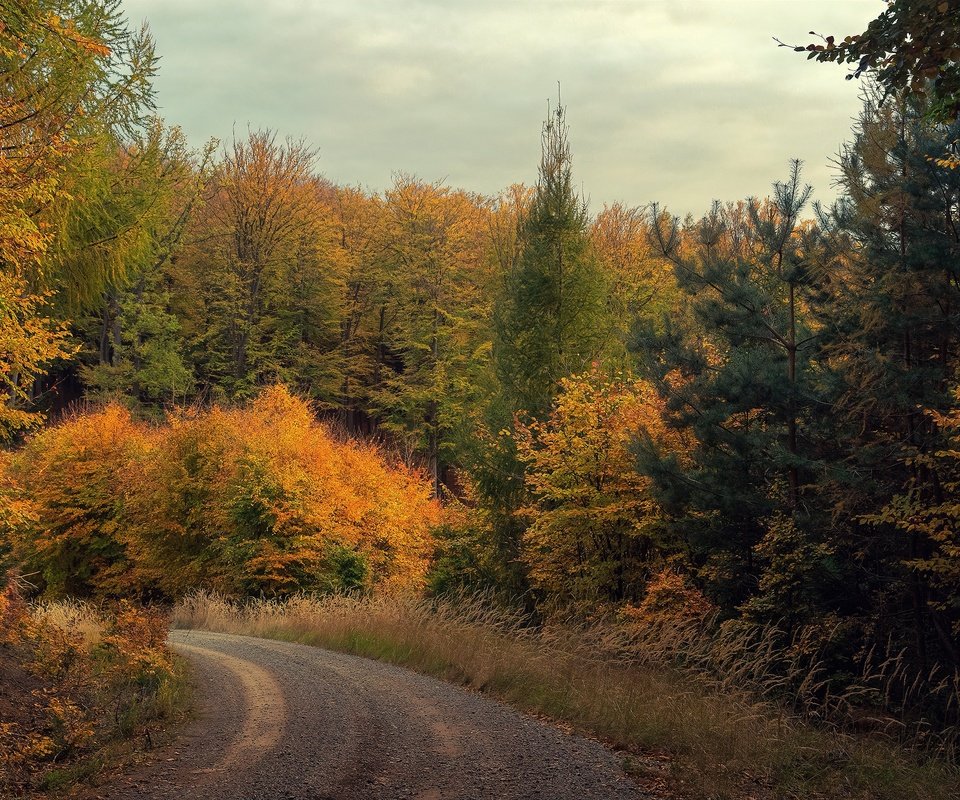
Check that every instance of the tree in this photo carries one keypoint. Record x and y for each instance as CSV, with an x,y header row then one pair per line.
x,y
912,47
551,319
263,272
134,219
593,532
29,342
641,282
71,76
891,337
435,245
735,371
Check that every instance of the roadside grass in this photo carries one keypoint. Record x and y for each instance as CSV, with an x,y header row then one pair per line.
x,y
719,741
82,688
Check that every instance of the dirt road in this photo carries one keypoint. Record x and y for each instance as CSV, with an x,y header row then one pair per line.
x,y
278,721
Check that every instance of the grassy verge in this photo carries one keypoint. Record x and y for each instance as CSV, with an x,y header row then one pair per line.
x,y
719,743
81,690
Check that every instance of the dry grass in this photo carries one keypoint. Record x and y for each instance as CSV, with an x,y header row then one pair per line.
x,y
627,688
82,620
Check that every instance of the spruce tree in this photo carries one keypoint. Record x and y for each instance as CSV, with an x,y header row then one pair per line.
x,y
551,320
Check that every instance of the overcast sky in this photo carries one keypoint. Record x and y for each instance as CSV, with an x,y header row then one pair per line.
x,y
679,101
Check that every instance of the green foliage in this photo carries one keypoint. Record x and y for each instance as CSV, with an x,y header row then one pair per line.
x,y
891,341
735,370
263,273
551,319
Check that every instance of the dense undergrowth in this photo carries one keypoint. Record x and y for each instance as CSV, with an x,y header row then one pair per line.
x,y
260,499
79,685
712,703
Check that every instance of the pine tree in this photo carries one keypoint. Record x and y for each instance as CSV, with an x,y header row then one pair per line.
x,y
735,370
891,330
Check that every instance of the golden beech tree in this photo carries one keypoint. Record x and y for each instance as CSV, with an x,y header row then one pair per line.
x,y
435,241
593,522
641,282
263,274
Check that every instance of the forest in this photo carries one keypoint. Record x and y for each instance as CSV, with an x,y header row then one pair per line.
x,y
222,371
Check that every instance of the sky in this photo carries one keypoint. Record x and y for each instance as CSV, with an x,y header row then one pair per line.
x,y
675,101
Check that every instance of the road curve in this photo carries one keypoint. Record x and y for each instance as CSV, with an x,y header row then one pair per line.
x,y
281,721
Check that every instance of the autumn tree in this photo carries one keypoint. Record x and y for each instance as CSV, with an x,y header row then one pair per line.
x,y
593,529
642,288
72,74
74,477
912,47
435,242
264,500
264,306
136,221
358,222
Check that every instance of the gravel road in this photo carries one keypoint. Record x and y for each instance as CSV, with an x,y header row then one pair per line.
x,y
278,721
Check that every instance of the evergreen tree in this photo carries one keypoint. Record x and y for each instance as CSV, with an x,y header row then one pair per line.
x,y
735,370
891,330
551,320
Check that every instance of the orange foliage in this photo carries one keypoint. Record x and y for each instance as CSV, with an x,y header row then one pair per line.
x,y
73,474
259,500
669,600
62,693
264,500
49,719
593,521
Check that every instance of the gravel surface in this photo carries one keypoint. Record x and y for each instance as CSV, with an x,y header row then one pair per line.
x,y
278,721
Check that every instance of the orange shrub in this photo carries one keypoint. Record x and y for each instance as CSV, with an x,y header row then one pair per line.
x,y
73,477
255,500
263,500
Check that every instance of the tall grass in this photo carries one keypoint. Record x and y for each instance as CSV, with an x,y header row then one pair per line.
x,y
630,687
83,620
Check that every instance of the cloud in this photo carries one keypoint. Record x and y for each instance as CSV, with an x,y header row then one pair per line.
x,y
676,101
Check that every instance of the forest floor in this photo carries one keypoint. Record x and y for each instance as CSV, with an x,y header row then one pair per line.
x,y
283,720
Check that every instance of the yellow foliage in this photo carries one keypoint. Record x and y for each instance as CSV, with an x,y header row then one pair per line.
x,y
28,342
73,475
592,520
261,499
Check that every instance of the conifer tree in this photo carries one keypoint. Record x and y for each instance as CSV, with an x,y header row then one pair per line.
x,y
735,371
891,329
551,320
